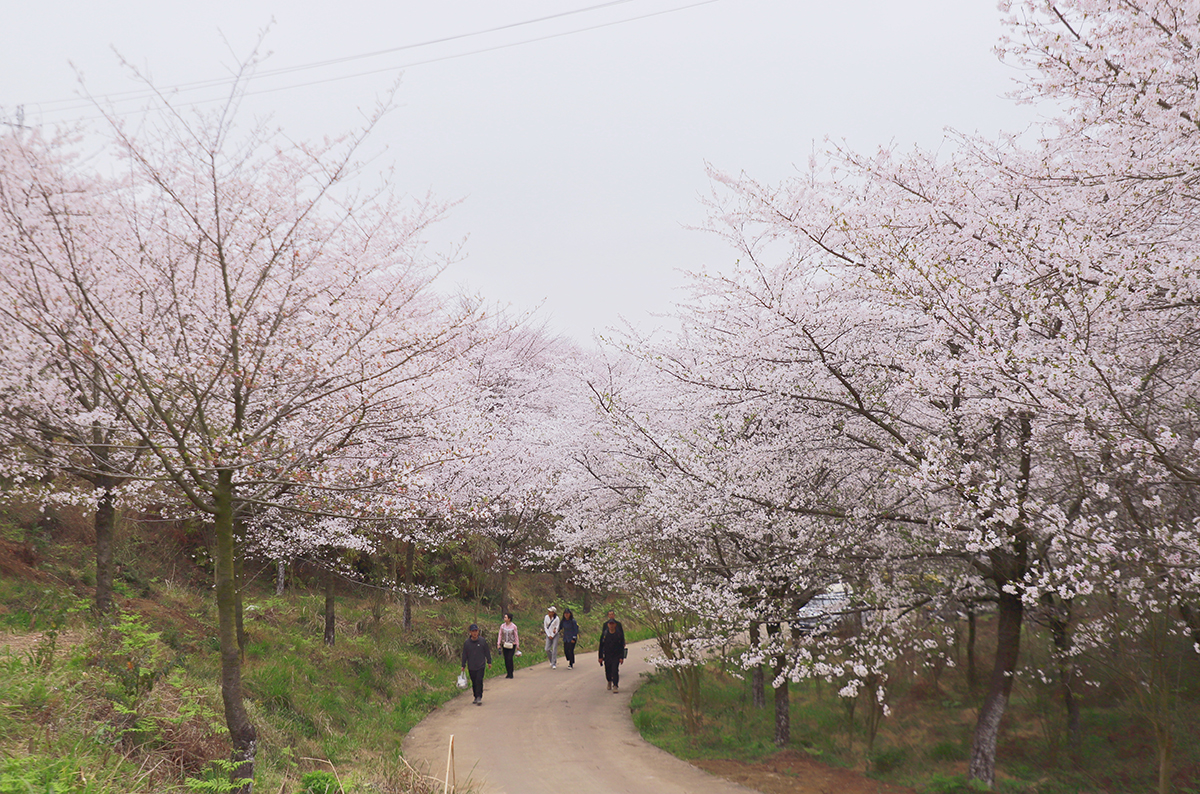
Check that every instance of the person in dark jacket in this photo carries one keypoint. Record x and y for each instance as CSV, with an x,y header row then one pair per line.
x,y
612,651
475,655
569,630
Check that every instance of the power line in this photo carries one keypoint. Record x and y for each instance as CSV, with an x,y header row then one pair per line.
x,y
483,50
445,39
141,94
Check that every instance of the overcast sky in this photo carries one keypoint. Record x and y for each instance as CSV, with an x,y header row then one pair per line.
x,y
575,132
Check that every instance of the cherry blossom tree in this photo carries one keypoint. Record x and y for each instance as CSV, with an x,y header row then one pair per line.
x,y
974,345
263,325
399,500
1124,72
671,518
56,418
529,403
938,263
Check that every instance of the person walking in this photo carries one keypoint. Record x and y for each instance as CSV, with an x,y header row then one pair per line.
x,y
508,642
550,627
570,633
612,651
475,655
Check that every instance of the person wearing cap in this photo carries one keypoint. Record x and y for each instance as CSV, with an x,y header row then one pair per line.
x,y
476,654
612,616
612,651
550,627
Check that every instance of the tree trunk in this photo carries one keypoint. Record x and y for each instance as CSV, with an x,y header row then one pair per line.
x,y
105,522
1165,744
972,674
394,563
1193,622
695,683
1069,673
330,613
410,554
987,730
280,570
874,716
238,578
783,715
1060,620
686,680
504,605
242,733
757,684
587,600
787,706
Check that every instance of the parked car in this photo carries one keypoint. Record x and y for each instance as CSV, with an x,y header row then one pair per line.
x,y
824,611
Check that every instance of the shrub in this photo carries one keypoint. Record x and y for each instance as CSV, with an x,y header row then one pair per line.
x,y
888,760
319,782
946,751
952,784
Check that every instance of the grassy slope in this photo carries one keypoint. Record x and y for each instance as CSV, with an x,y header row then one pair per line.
x,y
134,707
925,742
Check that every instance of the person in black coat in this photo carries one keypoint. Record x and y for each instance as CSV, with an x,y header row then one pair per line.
x,y
612,651
569,630
475,655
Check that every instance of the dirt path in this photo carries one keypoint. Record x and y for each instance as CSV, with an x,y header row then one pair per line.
x,y
548,731
23,644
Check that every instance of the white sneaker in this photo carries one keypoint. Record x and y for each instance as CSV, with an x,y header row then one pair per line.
x,y
553,667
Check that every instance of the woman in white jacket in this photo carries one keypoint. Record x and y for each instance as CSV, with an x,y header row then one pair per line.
x,y
550,627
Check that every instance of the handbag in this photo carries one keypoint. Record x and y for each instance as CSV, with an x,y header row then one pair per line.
x,y
462,680
508,645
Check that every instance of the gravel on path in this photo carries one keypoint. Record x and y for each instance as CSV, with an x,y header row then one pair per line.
x,y
546,731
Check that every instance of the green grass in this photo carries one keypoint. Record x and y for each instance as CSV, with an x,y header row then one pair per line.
x,y
135,707
925,744
115,706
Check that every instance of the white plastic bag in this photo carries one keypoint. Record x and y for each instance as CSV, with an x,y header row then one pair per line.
x,y
462,681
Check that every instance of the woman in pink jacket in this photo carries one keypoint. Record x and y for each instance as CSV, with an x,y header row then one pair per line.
x,y
508,641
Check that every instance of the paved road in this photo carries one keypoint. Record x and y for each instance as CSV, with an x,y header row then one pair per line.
x,y
548,731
